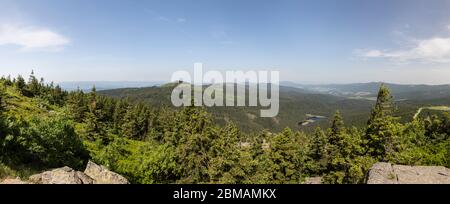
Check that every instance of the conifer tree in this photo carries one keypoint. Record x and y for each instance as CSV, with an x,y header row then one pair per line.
x,y
8,81
345,163
337,129
336,146
33,86
382,127
2,100
77,105
192,137
136,122
4,129
2,109
58,96
284,158
229,162
120,109
95,127
20,84
318,152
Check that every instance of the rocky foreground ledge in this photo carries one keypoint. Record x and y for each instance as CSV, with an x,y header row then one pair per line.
x,y
93,174
386,173
380,173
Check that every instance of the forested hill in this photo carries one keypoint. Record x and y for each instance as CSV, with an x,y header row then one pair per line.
x,y
295,106
299,104
43,127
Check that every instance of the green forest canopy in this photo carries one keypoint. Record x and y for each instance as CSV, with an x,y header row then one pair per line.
x,y
43,126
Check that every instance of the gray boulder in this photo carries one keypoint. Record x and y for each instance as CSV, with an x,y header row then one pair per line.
x,y
93,174
313,180
14,181
385,173
102,175
382,173
64,175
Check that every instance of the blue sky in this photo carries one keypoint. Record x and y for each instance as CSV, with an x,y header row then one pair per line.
x,y
332,41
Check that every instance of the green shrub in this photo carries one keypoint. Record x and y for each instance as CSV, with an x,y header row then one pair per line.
x,y
52,143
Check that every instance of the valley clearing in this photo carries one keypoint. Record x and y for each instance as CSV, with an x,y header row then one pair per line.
x,y
439,108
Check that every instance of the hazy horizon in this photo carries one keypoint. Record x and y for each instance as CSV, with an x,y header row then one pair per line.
x,y
281,82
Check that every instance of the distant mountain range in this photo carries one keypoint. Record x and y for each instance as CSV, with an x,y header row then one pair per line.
x,y
358,90
370,90
105,85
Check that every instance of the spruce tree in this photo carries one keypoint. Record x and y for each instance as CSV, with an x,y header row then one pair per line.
x,y
129,126
335,148
336,140
318,152
33,86
230,160
95,127
3,124
8,81
192,137
345,163
120,109
57,95
2,100
337,129
20,84
382,127
284,157
77,105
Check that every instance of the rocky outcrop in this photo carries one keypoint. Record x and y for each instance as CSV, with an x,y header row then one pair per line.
x,y
102,175
14,181
385,173
64,175
382,173
313,180
93,174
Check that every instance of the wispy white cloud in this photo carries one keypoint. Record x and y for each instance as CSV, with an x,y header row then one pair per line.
x,y
30,38
162,18
181,20
431,50
434,50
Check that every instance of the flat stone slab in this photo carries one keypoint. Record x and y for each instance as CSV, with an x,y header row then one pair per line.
x,y
386,173
64,175
313,180
101,175
14,181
